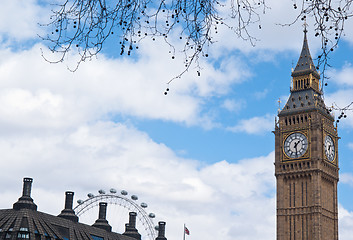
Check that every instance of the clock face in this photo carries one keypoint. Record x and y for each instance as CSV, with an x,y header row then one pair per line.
x,y
329,148
295,145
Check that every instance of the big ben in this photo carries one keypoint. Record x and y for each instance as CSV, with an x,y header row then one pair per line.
x,y
306,159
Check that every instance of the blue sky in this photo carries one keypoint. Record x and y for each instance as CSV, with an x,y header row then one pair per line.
x,y
202,155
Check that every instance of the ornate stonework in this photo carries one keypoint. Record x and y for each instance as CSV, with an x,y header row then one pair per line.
x,y
306,160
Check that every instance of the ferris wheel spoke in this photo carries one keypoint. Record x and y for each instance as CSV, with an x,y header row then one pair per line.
x,y
145,221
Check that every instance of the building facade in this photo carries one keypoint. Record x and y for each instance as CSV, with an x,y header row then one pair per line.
x,y
306,159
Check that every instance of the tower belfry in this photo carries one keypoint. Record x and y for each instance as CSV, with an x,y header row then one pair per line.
x,y
306,161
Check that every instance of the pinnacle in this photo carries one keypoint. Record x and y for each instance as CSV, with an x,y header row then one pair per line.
x,y
305,63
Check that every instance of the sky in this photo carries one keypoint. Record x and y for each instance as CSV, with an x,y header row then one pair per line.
x,y
202,155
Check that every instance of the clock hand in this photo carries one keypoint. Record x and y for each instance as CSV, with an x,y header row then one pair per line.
x,y
295,146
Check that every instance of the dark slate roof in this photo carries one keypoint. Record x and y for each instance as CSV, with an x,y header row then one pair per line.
x,y
305,101
305,63
31,224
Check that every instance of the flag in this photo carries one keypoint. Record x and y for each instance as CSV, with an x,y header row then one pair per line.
x,y
187,232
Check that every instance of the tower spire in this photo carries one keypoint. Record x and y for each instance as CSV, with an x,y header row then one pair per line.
x,y
305,64
304,75
306,94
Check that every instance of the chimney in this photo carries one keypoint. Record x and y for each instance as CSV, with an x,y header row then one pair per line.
x,y
161,231
68,212
130,228
101,222
25,201
132,219
69,198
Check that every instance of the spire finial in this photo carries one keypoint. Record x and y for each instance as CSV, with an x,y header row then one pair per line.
x,y
305,25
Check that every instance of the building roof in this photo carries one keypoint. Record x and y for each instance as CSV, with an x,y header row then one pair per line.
x,y
32,224
23,221
305,64
306,99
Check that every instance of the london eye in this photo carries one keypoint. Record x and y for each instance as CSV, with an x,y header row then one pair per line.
x,y
119,206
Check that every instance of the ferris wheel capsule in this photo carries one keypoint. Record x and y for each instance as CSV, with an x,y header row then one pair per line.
x,y
79,201
129,203
112,190
101,191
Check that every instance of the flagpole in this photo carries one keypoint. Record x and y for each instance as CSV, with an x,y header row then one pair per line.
x,y
184,231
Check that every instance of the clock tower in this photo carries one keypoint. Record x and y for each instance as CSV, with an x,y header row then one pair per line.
x,y
306,159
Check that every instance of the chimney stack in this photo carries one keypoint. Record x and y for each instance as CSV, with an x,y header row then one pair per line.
x,y
68,212
132,219
161,231
130,228
27,187
69,198
101,222
26,201
102,211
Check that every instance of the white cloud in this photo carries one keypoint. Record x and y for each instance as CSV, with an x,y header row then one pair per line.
x,y
19,20
346,178
233,105
55,128
215,80
341,99
224,196
106,86
31,110
345,223
260,95
342,76
272,38
348,29
255,125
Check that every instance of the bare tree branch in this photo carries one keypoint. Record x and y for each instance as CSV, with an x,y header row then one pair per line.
x,y
329,19
85,25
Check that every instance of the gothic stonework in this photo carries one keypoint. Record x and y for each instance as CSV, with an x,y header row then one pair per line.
x,y
306,159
